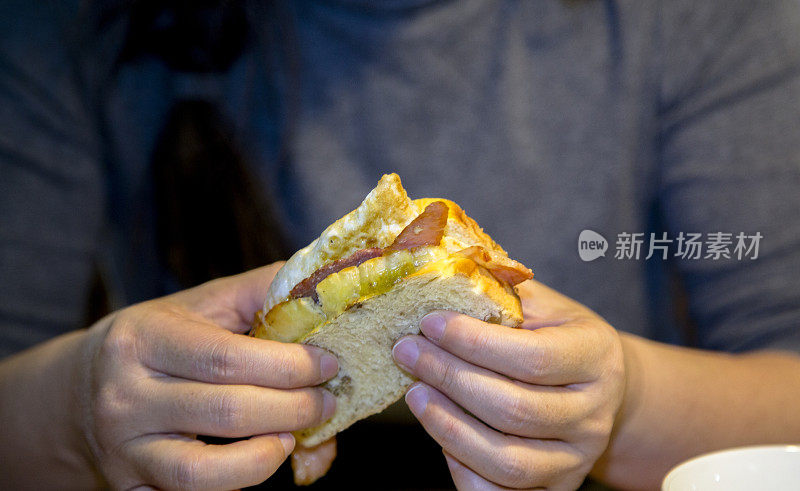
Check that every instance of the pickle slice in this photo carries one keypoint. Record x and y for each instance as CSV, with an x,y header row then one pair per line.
x,y
290,320
379,274
339,290
349,286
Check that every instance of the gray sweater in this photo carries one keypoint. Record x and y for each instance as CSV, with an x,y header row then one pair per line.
x,y
541,118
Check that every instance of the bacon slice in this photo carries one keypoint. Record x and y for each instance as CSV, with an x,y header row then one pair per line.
x,y
307,287
425,230
502,267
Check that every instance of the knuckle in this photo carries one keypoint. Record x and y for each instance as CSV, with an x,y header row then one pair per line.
x,y
120,341
514,469
590,430
595,432
616,364
222,362
447,377
110,411
571,471
282,366
540,360
108,404
515,411
229,410
188,471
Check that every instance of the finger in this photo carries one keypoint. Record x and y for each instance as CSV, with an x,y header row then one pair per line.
x,y
525,410
503,459
555,355
544,306
311,463
466,479
195,349
230,302
231,411
176,462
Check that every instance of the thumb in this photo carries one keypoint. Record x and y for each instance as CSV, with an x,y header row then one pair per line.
x,y
232,301
543,306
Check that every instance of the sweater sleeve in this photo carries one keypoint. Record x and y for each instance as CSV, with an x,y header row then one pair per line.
x,y
51,183
730,164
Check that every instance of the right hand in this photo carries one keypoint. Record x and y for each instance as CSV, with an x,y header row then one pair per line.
x,y
158,373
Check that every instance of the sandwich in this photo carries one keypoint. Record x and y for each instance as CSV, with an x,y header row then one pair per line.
x,y
368,280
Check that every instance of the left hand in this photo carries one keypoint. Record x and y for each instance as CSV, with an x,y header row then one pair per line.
x,y
520,408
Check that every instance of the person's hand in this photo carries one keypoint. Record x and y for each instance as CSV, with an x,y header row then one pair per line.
x,y
160,372
517,408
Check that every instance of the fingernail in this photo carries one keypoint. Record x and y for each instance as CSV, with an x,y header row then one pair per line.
x,y
406,352
328,366
328,405
417,399
432,326
287,440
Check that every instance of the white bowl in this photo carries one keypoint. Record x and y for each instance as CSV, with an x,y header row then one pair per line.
x,y
768,467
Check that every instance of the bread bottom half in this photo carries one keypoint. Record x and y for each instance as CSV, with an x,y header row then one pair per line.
x,y
363,335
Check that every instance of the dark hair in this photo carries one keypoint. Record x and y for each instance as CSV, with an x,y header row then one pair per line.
x,y
213,217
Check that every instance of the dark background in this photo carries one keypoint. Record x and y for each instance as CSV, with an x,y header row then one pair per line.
x,y
375,455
